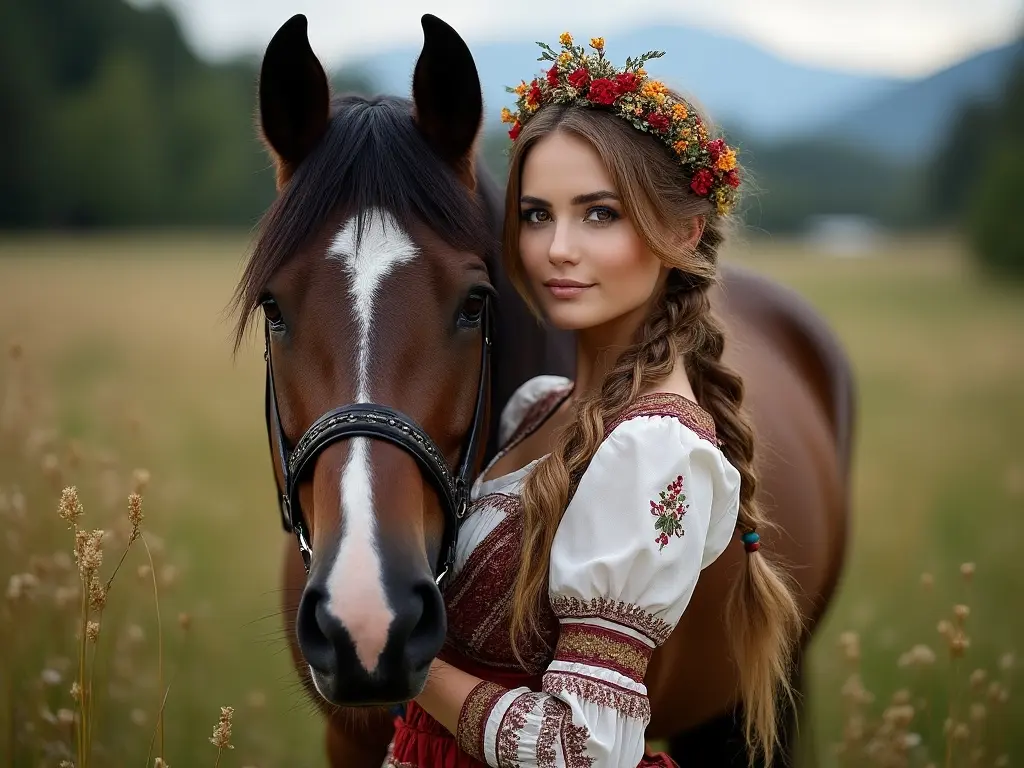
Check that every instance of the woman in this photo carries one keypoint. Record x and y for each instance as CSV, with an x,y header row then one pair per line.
x,y
591,527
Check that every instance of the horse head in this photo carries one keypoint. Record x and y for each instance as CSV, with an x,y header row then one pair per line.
x,y
374,275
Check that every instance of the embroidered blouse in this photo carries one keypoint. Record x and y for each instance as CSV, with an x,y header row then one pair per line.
x,y
657,504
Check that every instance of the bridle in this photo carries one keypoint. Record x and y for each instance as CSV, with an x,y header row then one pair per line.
x,y
382,423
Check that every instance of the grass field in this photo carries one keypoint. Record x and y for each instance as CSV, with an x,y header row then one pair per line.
x,y
127,349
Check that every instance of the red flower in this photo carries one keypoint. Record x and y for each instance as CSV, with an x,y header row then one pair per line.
x,y
715,148
579,78
603,91
732,179
702,181
658,121
513,132
534,96
627,82
553,75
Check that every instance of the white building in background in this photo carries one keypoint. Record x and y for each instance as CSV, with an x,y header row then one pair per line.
x,y
844,235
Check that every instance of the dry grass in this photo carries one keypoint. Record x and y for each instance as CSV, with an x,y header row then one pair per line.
x,y
79,684
129,336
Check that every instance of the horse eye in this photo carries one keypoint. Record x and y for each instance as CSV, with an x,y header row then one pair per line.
x,y
271,311
472,310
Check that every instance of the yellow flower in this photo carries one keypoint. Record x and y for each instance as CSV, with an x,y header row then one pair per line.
x,y
653,88
679,112
726,160
680,146
564,58
507,116
722,202
522,88
660,98
565,38
597,43
641,72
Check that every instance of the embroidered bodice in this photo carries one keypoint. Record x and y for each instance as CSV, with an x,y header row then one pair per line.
x,y
657,504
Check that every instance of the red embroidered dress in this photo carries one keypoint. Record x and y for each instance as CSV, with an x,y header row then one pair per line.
x,y
657,504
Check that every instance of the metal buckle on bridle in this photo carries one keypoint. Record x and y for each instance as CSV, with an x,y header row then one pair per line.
x,y
305,550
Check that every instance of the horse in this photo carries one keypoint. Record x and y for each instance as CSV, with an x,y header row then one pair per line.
x,y
392,339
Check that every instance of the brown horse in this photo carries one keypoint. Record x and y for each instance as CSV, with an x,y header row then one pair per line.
x,y
378,273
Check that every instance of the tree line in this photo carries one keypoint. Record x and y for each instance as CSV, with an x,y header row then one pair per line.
x,y
110,120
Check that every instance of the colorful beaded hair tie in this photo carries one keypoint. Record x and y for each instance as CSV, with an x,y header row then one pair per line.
x,y
751,541
587,79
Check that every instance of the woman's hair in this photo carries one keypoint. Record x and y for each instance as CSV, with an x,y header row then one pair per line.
x,y
763,617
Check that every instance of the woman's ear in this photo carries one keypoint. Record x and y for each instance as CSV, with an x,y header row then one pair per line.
x,y
693,232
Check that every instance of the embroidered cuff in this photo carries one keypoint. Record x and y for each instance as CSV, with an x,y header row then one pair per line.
x,y
476,709
601,693
603,647
617,611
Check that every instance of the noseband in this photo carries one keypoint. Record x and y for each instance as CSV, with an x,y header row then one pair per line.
x,y
381,423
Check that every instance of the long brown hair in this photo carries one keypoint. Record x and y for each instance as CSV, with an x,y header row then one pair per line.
x,y
763,616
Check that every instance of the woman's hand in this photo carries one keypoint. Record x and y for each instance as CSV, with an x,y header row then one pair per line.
x,y
445,692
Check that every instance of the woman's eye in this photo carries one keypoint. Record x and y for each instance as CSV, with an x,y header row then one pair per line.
x,y
601,214
535,216
272,312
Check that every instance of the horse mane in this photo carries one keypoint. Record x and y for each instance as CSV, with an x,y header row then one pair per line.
x,y
371,156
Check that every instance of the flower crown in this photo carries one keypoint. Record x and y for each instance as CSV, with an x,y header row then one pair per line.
x,y
582,79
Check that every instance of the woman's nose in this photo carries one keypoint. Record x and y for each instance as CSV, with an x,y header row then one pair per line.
x,y
563,248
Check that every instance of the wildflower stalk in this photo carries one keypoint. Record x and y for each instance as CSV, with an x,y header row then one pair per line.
x,y
160,644
135,518
159,719
221,738
83,710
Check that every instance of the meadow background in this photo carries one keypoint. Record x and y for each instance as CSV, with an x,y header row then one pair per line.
x,y
129,186
125,348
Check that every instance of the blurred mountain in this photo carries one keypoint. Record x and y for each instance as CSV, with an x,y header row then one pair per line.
x,y
909,122
740,84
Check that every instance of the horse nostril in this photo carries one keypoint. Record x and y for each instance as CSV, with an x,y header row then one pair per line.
x,y
313,628
428,631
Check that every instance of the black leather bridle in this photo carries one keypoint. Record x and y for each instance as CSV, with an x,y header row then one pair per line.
x,y
382,423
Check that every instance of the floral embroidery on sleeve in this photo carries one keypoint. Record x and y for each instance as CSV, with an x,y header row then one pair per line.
x,y
669,510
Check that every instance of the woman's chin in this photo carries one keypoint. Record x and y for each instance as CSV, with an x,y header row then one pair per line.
x,y
569,318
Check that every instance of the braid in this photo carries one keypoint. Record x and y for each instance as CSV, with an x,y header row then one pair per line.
x,y
762,614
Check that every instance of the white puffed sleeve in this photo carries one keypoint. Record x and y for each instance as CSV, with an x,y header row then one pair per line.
x,y
657,504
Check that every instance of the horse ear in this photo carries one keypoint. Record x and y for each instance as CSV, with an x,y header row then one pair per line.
x,y
294,97
446,92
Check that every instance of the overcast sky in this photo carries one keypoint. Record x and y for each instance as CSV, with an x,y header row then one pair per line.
x,y
894,37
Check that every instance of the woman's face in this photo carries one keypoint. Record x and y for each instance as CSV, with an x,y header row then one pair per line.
x,y
585,263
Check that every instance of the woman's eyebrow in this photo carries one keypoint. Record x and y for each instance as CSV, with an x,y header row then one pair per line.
x,y
590,197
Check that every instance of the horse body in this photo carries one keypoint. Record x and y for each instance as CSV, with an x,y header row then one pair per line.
x,y
798,383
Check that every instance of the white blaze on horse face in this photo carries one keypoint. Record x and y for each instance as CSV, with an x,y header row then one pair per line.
x,y
356,596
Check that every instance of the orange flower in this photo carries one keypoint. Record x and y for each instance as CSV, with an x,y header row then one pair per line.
x,y
597,43
652,88
727,160
679,112
507,116
680,146
565,38
522,88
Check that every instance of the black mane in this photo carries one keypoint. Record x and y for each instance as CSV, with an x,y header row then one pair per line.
x,y
371,156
